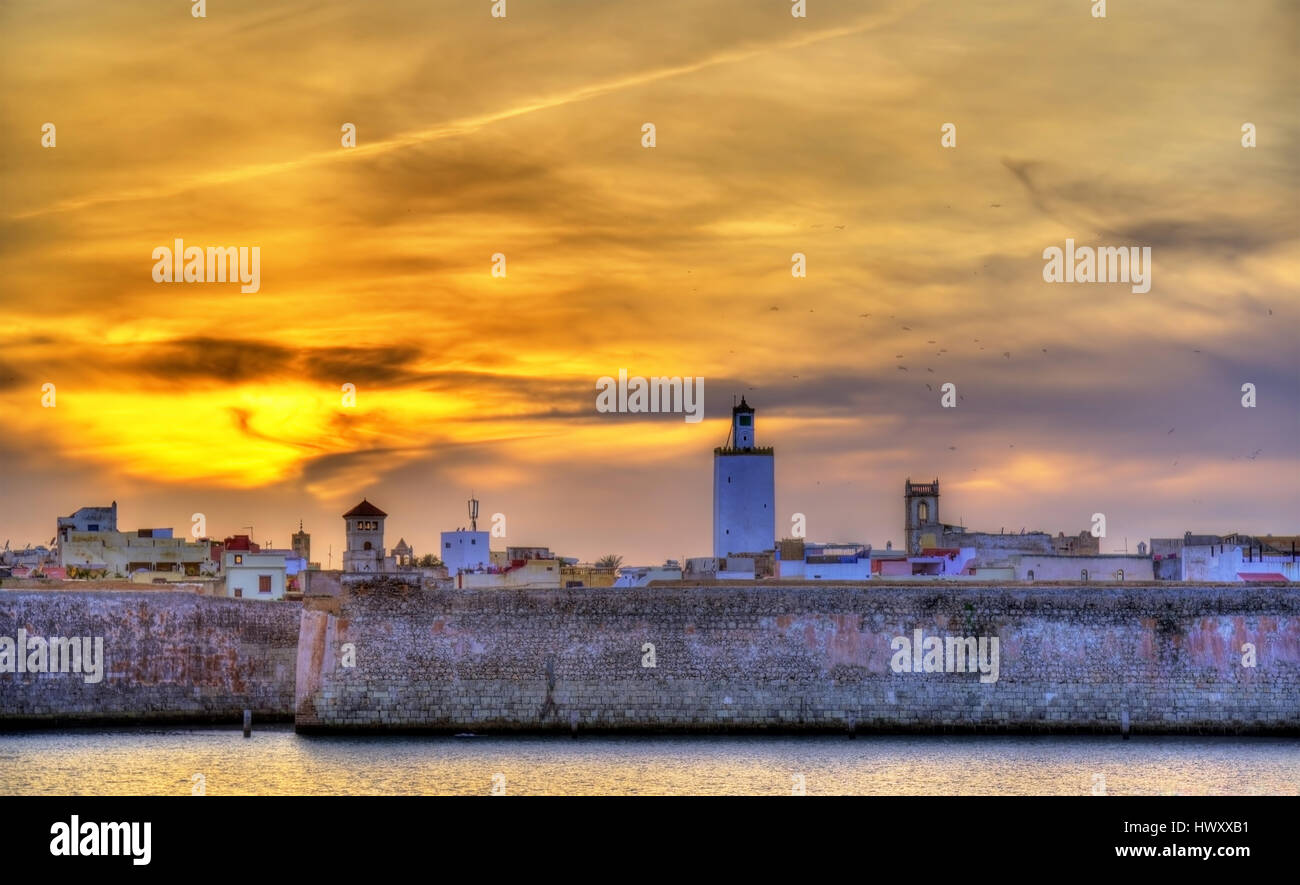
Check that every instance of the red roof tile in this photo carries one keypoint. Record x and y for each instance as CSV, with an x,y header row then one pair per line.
x,y
365,508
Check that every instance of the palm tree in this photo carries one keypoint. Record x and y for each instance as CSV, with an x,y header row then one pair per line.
x,y
611,560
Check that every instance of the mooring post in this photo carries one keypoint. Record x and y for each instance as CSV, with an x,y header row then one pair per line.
x,y
1123,724
248,723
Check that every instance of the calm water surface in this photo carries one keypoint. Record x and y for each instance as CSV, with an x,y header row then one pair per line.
x,y
275,761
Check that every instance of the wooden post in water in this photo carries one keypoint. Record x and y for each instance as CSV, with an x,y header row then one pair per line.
x,y
248,723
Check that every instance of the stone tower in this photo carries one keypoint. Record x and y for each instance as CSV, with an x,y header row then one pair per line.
x,y
921,526
744,497
365,539
302,543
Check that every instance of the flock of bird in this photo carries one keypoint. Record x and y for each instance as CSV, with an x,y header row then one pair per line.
x,y
1006,354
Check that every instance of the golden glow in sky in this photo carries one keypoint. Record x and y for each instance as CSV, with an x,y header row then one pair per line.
x,y
774,135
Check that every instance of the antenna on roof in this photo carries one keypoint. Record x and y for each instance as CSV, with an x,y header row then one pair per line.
x,y
473,512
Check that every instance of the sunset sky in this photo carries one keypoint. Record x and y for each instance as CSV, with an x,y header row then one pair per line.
x,y
522,136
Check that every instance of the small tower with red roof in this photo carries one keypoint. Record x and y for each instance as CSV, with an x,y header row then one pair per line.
x,y
365,539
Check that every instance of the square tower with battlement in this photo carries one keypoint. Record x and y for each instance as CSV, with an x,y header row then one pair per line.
x,y
921,526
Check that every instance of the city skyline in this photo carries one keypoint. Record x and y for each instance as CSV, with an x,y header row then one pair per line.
x,y
423,534
775,136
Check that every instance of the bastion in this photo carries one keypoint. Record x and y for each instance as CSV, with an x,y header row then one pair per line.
x,y
167,657
792,658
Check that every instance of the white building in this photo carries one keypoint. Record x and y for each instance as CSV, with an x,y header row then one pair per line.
x,y
744,490
87,519
1102,567
254,575
823,562
1229,563
465,550
641,575
124,554
532,574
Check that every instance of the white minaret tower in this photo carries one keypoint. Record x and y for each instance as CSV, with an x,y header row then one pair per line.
x,y
744,490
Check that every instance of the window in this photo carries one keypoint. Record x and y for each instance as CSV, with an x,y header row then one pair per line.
x,y
1031,574
448,545
239,559
746,420
367,546
239,592
93,527
263,583
923,512
1083,575
1119,575
473,540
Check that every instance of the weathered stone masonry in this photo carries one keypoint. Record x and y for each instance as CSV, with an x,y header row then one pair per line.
x,y
1072,659
168,656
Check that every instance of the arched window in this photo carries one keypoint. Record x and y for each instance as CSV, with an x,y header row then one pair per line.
x,y
923,512
1031,574
367,546
1119,575
1083,575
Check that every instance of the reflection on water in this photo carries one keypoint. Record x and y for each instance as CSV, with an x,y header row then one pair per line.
x,y
275,761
